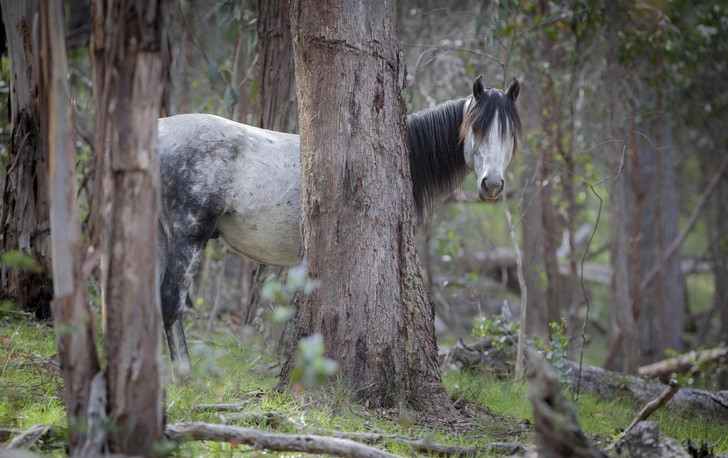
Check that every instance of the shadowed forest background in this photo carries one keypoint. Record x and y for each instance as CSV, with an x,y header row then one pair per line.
x,y
619,191
630,98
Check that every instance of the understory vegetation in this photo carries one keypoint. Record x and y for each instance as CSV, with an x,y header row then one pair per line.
x,y
230,371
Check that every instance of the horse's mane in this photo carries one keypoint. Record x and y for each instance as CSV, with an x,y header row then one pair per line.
x,y
482,113
437,160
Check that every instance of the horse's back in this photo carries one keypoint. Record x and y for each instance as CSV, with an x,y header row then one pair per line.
x,y
243,179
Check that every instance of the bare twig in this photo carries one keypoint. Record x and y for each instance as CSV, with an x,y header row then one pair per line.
x,y
220,407
650,408
451,48
14,312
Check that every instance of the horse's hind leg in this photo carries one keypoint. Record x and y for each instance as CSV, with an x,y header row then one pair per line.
x,y
182,259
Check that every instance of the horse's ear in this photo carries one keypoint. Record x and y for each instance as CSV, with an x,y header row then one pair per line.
x,y
514,89
478,88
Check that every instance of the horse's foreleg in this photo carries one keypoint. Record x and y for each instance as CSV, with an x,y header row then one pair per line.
x,y
183,258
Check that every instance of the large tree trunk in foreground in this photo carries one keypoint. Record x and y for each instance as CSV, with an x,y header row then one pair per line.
x,y
133,55
74,322
358,230
24,220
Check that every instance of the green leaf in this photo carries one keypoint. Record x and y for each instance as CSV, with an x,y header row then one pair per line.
x,y
213,73
224,14
230,97
232,30
20,260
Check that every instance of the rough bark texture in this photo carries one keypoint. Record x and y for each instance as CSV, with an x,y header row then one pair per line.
x,y
372,308
134,72
278,110
74,322
24,221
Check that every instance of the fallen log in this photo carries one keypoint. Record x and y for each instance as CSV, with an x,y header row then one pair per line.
x,y
683,363
185,431
612,385
603,383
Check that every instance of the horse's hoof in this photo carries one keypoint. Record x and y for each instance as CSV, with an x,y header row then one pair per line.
x,y
183,372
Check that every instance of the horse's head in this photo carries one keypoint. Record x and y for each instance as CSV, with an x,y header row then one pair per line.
x,y
490,133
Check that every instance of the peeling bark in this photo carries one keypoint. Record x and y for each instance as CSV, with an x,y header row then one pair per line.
x,y
132,100
74,322
24,219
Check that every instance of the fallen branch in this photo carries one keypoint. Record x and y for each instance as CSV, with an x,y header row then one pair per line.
x,y
649,408
28,438
7,433
346,448
220,407
275,419
683,363
14,312
603,383
427,447
612,385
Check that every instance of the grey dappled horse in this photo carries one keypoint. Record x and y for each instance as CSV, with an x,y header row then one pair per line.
x,y
243,184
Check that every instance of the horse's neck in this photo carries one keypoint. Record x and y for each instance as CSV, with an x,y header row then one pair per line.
x,y
436,154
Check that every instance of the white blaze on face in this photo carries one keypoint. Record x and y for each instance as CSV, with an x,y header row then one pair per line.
x,y
490,160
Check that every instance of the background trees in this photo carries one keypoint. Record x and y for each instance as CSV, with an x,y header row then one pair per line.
x,y
624,105
25,274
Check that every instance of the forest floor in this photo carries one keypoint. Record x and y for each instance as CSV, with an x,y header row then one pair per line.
x,y
226,373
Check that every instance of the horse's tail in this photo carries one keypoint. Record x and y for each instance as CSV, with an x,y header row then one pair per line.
x,y
162,249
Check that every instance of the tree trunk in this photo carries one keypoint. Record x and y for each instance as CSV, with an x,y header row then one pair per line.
x,y
536,320
133,59
553,289
625,341
277,82
278,111
74,322
24,221
358,229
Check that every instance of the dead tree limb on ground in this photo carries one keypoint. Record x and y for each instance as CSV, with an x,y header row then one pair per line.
x,y
271,441
683,363
600,382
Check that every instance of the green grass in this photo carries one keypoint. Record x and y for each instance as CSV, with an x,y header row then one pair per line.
x,y
500,411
